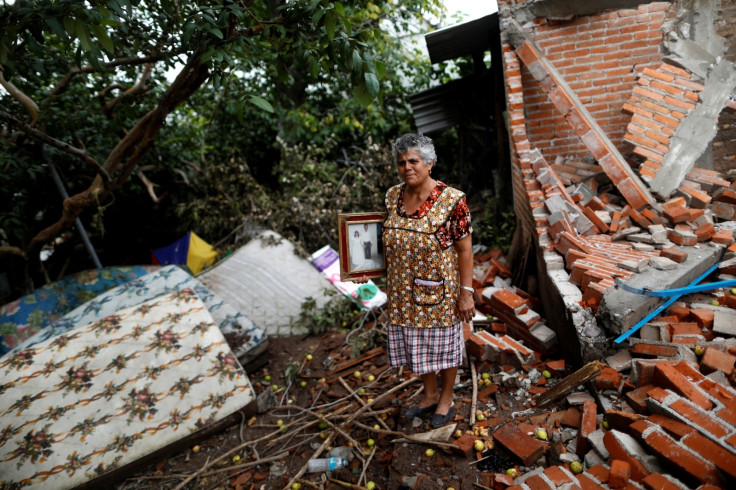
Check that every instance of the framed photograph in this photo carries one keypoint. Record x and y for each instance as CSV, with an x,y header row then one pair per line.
x,y
361,245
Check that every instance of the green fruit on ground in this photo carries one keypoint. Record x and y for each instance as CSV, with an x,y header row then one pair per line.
x,y
296,486
479,445
576,467
512,472
356,374
267,378
541,434
322,425
699,350
309,357
429,452
485,375
371,378
715,302
370,443
605,424
546,374
733,290
303,384
371,485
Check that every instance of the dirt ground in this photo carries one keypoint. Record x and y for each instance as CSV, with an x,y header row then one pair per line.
x,y
392,461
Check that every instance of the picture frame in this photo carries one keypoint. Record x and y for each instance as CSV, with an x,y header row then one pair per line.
x,y
361,245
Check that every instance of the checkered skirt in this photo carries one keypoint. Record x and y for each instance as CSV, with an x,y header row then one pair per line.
x,y
425,350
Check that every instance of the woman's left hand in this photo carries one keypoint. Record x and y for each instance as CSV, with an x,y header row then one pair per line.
x,y
465,306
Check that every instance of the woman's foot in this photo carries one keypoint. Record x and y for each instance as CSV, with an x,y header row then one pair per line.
x,y
440,419
418,411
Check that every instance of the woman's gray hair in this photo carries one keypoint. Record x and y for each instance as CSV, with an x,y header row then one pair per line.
x,y
418,142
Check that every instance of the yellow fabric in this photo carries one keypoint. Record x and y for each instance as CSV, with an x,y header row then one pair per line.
x,y
200,255
422,279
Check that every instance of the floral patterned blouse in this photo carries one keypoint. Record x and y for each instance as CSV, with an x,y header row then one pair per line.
x,y
457,226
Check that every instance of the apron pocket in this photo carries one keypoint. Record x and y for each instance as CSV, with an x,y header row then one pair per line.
x,y
428,292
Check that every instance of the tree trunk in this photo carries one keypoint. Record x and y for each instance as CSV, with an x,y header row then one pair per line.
x,y
124,158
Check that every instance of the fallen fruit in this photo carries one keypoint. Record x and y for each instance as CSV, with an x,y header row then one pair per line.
x,y
487,382
699,350
605,424
546,374
267,378
195,449
429,452
370,442
479,445
361,391
576,467
236,459
458,433
485,376
356,374
371,485
377,427
323,435
303,384
322,425
279,422
512,472
309,357
715,302
541,434
275,387
371,378
296,486
733,290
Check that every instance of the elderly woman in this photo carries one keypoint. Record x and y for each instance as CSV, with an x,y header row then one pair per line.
x,y
429,260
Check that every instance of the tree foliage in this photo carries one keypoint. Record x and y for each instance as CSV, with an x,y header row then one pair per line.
x,y
204,95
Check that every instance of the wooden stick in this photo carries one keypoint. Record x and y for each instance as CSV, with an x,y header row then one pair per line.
x,y
361,401
569,383
365,466
402,437
474,403
345,484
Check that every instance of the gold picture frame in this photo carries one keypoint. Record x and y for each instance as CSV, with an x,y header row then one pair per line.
x,y
361,245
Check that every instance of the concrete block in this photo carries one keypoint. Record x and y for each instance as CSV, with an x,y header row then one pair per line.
x,y
620,361
620,310
662,263
595,439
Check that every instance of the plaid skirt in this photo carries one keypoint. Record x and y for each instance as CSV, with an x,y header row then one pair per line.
x,y
425,350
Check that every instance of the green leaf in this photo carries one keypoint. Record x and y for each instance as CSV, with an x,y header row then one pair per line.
x,y
339,9
357,61
104,39
215,32
381,68
313,67
69,25
371,82
261,103
330,26
56,27
362,94
83,35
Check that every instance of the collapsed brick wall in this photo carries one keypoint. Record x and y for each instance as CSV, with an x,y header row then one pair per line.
x,y
599,57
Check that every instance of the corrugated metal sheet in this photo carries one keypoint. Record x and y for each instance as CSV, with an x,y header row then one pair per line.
x,y
462,39
450,104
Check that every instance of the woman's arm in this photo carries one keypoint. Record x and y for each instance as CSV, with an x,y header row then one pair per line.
x,y
465,304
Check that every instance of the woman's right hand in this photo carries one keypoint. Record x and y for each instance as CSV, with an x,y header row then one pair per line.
x,y
360,280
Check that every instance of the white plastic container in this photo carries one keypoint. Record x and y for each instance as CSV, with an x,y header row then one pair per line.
x,y
320,465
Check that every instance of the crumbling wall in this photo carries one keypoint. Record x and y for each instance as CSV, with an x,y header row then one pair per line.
x,y
599,56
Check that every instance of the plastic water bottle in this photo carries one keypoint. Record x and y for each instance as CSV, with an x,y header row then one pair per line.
x,y
326,464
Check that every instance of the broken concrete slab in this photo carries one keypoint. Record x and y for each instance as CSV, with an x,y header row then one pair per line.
x,y
620,310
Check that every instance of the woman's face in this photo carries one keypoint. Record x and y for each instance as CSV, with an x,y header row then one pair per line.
x,y
412,168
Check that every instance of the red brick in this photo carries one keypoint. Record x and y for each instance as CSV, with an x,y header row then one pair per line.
x,y
507,301
557,476
619,474
655,481
699,418
724,237
599,472
521,445
464,445
666,376
716,360
619,451
724,459
571,418
676,215
536,482
637,399
685,328
703,317
677,430
608,379
705,232
586,483
645,370
653,350
588,424
620,420
687,462
658,394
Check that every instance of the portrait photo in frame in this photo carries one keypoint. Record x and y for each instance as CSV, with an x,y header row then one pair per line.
x,y
361,245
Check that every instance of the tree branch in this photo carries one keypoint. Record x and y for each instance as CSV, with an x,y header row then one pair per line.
x,y
75,70
65,147
18,95
150,187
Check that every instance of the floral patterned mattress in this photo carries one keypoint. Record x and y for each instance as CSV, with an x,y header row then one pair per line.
x,y
241,334
104,394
